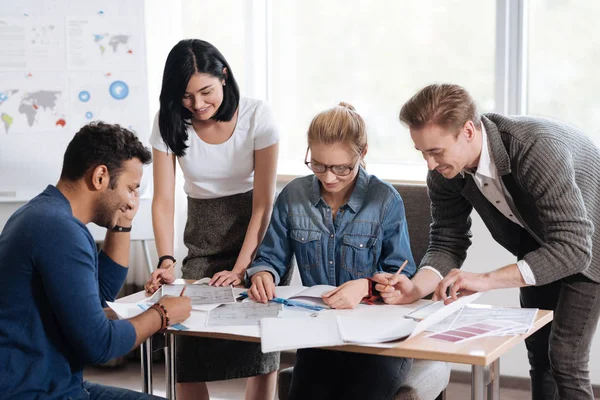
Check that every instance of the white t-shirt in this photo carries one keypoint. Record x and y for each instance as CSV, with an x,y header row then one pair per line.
x,y
218,170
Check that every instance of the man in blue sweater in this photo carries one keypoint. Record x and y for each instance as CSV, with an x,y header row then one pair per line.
x,y
55,284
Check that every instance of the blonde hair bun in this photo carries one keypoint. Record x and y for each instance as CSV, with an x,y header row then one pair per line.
x,y
346,105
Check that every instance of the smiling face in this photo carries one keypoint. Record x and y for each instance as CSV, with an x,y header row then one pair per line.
x,y
203,96
114,202
446,151
339,154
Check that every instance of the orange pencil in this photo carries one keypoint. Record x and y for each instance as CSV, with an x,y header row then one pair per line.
x,y
155,282
401,267
398,272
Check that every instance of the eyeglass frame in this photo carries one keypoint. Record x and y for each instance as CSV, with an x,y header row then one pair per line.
x,y
329,167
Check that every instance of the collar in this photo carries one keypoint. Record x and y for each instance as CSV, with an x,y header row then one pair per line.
x,y
497,150
356,198
486,165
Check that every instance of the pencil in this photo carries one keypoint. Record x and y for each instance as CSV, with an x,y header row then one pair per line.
x,y
401,267
398,272
182,290
171,266
155,282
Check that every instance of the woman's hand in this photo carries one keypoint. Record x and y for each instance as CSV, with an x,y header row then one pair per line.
x,y
164,274
263,287
396,288
226,278
347,296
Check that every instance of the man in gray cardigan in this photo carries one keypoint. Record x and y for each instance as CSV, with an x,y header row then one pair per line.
x,y
535,184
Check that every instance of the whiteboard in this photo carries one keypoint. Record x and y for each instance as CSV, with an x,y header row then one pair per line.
x,y
65,63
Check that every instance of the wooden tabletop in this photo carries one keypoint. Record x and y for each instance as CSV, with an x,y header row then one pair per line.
x,y
474,352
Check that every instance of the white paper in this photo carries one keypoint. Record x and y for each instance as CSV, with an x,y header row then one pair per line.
x,y
443,313
523,317
125,310
242,314
278,334
354,329
203,297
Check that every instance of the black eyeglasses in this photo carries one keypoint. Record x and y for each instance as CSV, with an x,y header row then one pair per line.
x,y
318,168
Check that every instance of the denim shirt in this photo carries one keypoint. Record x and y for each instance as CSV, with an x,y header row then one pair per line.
x,y
369,233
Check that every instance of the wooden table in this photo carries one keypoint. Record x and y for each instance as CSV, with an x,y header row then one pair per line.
x,y
482,354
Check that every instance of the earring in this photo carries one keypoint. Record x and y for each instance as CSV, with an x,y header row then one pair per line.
x,y
224,83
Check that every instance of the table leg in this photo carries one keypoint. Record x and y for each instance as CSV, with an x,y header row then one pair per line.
x,y
170,370
146,359
494,381
477,382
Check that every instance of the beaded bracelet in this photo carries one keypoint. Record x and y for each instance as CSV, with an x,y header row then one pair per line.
x,y
163,315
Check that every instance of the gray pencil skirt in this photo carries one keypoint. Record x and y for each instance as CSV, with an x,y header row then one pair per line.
x,y
214,234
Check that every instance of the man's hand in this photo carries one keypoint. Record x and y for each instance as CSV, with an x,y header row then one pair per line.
x,y
226,278
263,287
396,288
348,295
178,308
164,274
461,283
126,218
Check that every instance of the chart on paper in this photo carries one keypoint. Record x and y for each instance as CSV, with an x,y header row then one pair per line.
x,y
242,314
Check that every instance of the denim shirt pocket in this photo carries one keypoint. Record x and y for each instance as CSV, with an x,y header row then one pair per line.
x,y
358,255
307,248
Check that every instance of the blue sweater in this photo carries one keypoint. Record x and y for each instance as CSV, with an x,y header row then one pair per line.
x,y
54,285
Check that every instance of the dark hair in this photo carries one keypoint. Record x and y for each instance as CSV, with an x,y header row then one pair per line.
x,y
185,59
97,144
446,105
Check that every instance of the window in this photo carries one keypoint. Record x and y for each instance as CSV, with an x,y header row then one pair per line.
x,y
563,58
374,55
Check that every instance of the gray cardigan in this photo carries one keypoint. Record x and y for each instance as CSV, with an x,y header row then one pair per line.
x,y
551,176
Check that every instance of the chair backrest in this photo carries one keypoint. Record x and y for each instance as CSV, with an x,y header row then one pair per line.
x,y
418,217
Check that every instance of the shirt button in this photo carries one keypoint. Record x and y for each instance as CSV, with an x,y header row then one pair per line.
x,y
302,239
498,201
330,262
331,235
485,185
360,245
510,215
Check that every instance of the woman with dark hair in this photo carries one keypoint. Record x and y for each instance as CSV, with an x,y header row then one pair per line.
x,y
227,148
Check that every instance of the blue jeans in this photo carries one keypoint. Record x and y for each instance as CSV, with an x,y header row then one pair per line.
x,y
328,375
102,392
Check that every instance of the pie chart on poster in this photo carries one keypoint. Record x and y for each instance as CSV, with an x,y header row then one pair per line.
x,y
118,90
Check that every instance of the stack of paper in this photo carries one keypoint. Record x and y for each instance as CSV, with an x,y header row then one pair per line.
x,y
513,321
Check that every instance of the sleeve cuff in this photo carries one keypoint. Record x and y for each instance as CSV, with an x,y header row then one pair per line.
x,y
427,267
254,270
526,272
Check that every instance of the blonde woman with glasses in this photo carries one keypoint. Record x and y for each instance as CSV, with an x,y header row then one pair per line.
x,y
343,225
